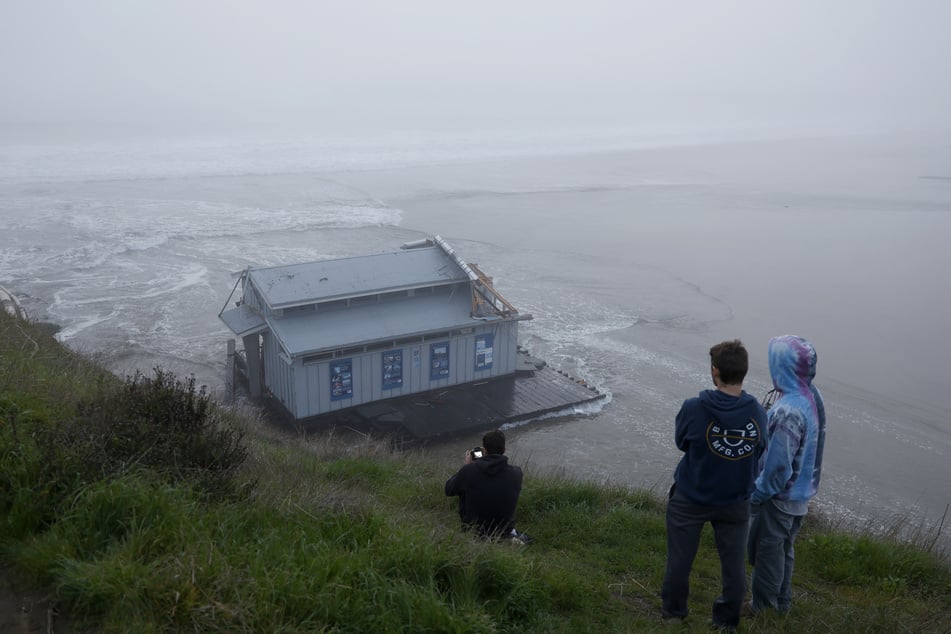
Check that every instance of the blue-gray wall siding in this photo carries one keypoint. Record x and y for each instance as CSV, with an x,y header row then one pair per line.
x,y
278,374
305,389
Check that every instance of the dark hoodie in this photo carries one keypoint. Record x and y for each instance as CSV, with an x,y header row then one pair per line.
x,y
488,490
721,437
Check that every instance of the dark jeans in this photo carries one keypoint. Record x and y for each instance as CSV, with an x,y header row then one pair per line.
x,y
684,524
771,553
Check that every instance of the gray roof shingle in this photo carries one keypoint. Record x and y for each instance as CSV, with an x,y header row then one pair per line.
x,y
326,280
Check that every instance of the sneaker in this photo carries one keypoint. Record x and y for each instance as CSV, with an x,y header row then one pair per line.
x,y
519,539
720,627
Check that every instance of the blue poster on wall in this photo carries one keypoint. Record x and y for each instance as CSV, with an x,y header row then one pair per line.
x,y
392,369
341,379
439,361
483,351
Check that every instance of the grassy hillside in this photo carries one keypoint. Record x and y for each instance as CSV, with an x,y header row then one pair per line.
x,y
144,508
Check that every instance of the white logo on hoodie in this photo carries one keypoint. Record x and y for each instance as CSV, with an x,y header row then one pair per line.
x,y
733,444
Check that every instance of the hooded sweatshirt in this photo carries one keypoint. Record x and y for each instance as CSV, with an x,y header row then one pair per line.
x,y
488,490
795,431
721,437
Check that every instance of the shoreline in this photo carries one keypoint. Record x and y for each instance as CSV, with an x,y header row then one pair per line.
x,y
903,523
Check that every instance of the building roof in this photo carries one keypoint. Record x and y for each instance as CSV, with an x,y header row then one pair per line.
x,y
348,327
243,320
385,312
327,280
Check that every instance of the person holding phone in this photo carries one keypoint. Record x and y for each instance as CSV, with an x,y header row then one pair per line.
x,y
488,488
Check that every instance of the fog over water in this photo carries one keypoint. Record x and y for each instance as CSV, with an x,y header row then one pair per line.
x,y
633,262
645,180
693,67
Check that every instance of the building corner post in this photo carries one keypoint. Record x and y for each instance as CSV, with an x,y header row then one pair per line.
x,y
252,352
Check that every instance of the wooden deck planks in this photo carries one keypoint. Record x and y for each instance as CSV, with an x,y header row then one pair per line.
x,y
466,408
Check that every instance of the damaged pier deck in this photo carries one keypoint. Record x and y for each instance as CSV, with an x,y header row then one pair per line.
x,y
472,407
477,407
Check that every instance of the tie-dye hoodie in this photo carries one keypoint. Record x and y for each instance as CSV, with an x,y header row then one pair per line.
x,y
795,430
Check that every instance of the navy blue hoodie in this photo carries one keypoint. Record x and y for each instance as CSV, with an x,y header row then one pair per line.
x,y
722,438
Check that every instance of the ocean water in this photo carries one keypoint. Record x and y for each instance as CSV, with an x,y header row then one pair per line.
x,y
633,258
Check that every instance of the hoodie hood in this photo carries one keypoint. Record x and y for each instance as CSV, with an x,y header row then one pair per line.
x,y
722,403
492,464
792,364
792,465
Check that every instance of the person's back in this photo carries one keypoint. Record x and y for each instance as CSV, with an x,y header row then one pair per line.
x,y
720,433
488,489
792,465
791,470
721,439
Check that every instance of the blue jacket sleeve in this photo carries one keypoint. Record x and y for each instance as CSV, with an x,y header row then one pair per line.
x,y
786,428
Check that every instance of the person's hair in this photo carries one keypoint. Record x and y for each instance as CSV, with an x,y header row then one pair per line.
x,y
494,442
732,360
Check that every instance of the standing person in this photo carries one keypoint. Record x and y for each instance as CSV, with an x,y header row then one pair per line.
x,y
719,432
488,488
791,467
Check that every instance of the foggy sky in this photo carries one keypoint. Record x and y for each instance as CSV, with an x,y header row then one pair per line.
x,y
803,65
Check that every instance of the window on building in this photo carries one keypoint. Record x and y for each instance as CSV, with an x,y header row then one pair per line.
x,y
341,379
364,299
332,305
439,361
483,351
311,359
393,296
392,369
299,310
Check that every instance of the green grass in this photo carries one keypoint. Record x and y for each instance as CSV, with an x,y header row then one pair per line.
x,y
338,535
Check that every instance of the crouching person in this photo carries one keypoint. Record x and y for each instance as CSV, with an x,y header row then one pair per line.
x,y
488,488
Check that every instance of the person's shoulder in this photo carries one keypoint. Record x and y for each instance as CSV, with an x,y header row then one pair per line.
x,y
692,404
693,401
789,413
752,402
467,469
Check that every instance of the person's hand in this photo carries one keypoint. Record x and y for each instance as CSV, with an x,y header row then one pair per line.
x,y
468,456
